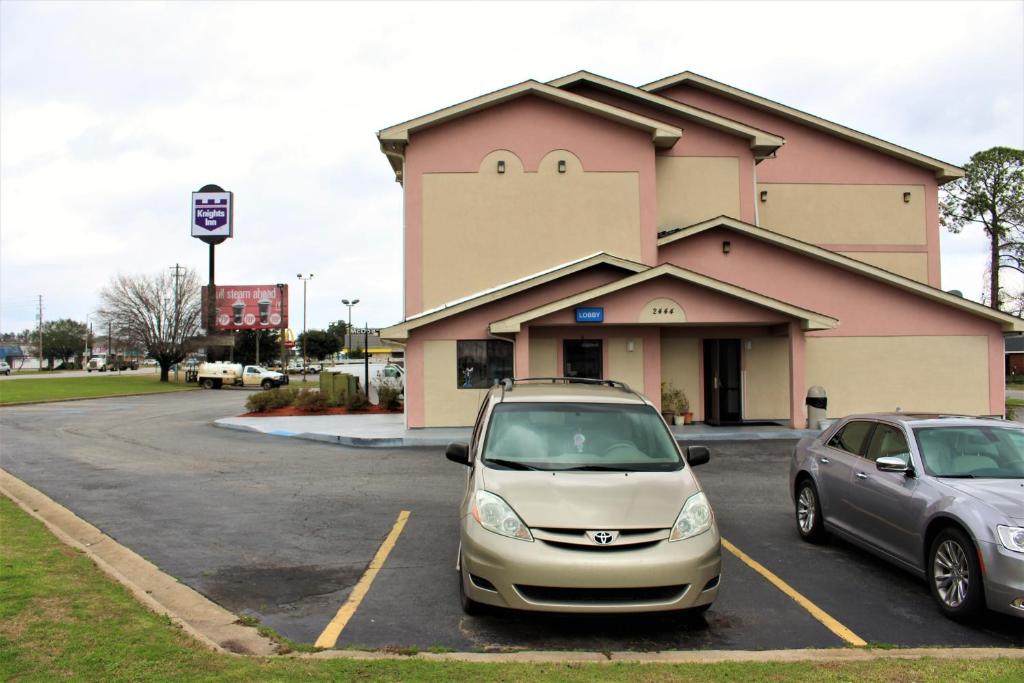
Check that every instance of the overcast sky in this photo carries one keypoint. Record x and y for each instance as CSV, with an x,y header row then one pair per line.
x,y
111,114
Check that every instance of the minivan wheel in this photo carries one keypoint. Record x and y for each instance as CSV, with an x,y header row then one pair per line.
x,y
954,575
809,522
469,606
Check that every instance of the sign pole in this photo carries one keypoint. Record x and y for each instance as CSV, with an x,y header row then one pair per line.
x,y
211,298
366,357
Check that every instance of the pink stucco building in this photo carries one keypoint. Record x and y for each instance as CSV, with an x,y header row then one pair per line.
x,y
684,231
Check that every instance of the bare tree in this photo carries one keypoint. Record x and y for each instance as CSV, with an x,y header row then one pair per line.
x,y
157,313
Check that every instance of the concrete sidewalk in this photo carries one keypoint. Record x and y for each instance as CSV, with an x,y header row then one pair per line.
x,y
388,431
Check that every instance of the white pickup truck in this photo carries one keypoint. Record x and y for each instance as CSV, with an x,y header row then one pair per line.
x,y
216,375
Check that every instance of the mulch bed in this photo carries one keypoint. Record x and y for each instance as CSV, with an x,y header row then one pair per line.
x,y
292,411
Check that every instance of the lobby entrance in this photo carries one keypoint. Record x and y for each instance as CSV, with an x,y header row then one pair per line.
x,y
582,358
722,388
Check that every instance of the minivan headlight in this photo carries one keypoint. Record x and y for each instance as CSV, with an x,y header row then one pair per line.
x,y
694,519
1012,537
494,514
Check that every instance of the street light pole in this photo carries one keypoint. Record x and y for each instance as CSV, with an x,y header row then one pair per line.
x,y
348,330
305,358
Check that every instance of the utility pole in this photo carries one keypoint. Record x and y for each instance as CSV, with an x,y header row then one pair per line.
x,y
305,358
40,333
177,305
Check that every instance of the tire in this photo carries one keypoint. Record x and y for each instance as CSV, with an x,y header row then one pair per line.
x,y
208,383
809,521
954,575
267,385
469,606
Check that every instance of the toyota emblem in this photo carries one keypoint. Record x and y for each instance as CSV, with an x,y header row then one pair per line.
x,y
602,537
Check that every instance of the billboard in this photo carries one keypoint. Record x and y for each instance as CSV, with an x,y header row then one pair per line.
x,y
249,307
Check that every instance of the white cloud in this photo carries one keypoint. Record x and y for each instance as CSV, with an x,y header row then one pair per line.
x,y
110,114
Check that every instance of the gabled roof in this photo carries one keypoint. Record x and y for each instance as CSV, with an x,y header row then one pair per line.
x,y
400,332
809,319
762,142
944,172
394,139
1009,322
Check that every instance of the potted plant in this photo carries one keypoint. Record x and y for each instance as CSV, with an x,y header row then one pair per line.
x,y
684,408
668,402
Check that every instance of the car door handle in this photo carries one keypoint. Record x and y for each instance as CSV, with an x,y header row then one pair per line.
x,y
824,461
861,475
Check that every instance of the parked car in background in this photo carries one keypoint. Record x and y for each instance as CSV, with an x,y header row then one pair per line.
x,y
5,369
578,499
939,496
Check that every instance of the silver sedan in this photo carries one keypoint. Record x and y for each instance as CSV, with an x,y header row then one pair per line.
x,y
940,496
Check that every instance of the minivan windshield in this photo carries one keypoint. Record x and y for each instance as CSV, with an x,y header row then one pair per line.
x,y
579,436
972,452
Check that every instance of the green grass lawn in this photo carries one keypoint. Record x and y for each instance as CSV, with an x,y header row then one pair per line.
x,y
53,388
1015,387
61,618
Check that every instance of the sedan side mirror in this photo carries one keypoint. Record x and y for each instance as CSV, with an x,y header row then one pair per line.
x,y
458,452
697,455
892,464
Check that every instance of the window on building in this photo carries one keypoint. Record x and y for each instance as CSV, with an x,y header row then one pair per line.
x,y
481,362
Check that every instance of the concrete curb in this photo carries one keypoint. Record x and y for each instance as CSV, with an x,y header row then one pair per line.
x,y
204,620
430,441
216,628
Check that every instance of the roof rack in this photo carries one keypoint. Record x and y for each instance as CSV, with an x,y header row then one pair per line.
x,y
508,383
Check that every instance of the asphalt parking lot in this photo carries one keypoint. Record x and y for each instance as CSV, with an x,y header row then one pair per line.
x,y
283,529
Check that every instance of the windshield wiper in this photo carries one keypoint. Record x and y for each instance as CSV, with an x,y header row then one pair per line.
x,y
599,468
956,476
511,464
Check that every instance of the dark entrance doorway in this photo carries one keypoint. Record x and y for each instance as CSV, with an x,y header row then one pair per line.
x,y
582,358
722,394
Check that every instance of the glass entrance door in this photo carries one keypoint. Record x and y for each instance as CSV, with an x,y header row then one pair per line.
x,y
722,389
582,358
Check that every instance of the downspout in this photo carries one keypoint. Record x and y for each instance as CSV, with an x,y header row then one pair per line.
x,y
756,197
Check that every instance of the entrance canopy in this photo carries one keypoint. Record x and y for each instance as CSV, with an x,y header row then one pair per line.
x,y
668,294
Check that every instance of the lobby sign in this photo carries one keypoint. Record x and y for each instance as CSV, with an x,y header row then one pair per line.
x,y
590,314
211,214
249,307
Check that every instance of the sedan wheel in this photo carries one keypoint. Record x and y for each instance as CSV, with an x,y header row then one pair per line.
x,y
954,574
808,513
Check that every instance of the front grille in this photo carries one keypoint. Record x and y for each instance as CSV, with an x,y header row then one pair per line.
x,y
653,594
599,548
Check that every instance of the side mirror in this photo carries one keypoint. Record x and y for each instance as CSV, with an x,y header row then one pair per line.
x,y
891,464
697,455
458,452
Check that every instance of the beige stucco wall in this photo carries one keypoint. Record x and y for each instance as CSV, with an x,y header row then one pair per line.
x,y
483,229
625,365
693,189
544,358
766,378
865,374
844,214
680,364
908,264
445,405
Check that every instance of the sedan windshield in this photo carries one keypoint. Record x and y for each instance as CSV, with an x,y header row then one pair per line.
x,y
972,452
579,436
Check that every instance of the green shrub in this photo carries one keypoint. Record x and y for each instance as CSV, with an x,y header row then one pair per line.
x,y
310,401
259,402
282,397
357,401
388,392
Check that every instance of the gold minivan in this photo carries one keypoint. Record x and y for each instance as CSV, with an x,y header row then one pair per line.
x,y
578,499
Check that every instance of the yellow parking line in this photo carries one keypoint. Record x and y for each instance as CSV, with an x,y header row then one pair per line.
x,y
333,630
816,612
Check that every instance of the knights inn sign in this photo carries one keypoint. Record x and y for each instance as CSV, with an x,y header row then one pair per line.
x,y
590,314
211,214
